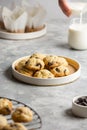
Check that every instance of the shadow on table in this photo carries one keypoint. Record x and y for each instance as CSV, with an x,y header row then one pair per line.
x,y
69,113
65,46
9,76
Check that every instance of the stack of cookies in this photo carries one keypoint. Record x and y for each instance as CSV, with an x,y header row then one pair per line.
x,y
43,66
18,115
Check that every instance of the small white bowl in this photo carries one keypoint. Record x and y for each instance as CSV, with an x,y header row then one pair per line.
x,y
77,109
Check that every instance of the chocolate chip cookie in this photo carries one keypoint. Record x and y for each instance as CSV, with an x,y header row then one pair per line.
x,y
5,106
22,114
34,64
14,126
44,73
60,71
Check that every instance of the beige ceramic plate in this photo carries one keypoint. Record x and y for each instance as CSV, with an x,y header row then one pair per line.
x,y
20,36
74,68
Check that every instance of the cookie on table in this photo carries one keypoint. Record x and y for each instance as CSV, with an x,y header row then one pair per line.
x,y
20,64
38,55
6,106
3,121
22,114
34,64
44,73
14,126
60,71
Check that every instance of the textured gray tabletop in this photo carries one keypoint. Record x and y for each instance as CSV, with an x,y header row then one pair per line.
x,y
52,103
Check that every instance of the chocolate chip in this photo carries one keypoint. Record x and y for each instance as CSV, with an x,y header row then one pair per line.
x,y
37,57
13,125
8,109
84,104
20,111
31,56
26,62
38,64
50,63
57,69
82,101
65,71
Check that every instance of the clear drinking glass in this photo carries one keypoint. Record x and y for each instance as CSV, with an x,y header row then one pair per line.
x,y
78,6
77,33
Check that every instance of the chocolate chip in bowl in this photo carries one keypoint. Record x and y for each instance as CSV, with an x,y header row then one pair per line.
x,y
82,101
79,106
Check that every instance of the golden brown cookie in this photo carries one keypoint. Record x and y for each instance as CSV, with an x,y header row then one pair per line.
x,y
62,61
14,126
22,114
5,106
38,55
3,121
52,61
26,71
44,73
20,64
34,64
60,71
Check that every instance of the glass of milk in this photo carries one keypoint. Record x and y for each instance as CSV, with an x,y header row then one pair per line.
x,y
77,34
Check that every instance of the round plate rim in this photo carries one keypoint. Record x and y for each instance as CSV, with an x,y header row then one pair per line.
x,y
49,81
20,36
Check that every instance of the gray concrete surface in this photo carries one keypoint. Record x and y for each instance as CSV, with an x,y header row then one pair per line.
x,y
52,103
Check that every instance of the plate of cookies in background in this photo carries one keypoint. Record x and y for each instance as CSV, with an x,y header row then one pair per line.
x,y
46,69
17,115
23,21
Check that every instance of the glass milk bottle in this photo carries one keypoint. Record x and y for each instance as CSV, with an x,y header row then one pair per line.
x,y
77,34
78,6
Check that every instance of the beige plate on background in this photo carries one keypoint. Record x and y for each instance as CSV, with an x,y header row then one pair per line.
x,y
20,36
74,68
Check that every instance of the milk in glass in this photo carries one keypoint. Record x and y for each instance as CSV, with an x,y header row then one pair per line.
x,y
77,37
78,34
